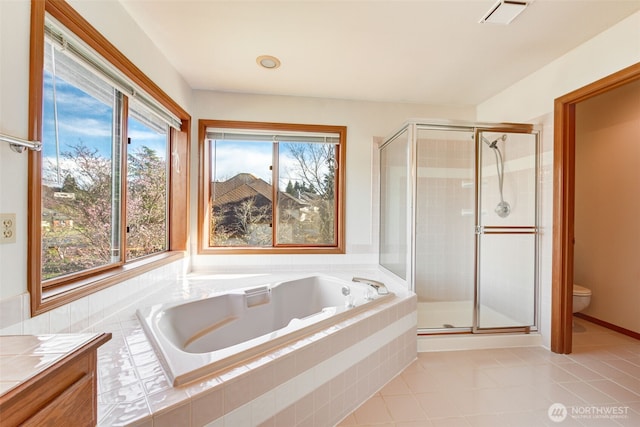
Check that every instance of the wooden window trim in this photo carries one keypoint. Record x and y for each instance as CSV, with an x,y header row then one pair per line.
x,y
204,189
85,284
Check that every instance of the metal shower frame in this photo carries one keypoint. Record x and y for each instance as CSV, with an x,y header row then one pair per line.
x,y
412,126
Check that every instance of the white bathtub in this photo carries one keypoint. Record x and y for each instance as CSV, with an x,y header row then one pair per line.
x,y
200,337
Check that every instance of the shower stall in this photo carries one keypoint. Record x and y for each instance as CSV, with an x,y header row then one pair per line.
x,y
459,223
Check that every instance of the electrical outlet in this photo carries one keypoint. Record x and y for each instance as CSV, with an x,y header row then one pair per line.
x,y
7,228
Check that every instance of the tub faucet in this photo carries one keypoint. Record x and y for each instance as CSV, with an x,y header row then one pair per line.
x,y
379,287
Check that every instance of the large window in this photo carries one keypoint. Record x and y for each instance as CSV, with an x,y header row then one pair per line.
x,y
271,187
80,167
103,197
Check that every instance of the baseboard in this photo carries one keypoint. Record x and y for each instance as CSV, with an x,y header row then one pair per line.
x,y
608,325
450,342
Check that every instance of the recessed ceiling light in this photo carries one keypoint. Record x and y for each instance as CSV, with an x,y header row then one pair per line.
x,y
504,11
268,61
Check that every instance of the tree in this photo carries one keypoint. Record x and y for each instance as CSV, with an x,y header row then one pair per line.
x,y
89,237
252,222
314,166
87,244
290,188
146,202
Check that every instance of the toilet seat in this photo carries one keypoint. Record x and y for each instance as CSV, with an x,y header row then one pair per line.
x,y
581,290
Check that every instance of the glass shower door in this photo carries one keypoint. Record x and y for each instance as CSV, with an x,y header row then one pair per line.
x,y
506,231
444,239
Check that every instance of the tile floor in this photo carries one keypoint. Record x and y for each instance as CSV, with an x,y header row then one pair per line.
x,y
598,384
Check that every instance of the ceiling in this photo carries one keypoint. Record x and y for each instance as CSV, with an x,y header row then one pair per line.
x,y
430,51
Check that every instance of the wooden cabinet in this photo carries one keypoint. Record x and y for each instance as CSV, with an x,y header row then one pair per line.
x,y
64,393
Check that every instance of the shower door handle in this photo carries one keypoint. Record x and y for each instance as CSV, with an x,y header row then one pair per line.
x,y
481,229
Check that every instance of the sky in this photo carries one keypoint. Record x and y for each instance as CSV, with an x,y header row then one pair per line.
x,y
255,157
83,118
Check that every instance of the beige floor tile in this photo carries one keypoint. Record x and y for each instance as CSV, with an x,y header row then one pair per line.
x,y
588,393
557,394
423,381
625,366
421,423
477,402
629,383
525,419
373,411
616,391
604,369
451,422
512,386
404,408
581,372
487,420
437,405
395,386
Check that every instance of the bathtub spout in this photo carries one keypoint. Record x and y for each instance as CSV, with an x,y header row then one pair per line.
x,y
379,287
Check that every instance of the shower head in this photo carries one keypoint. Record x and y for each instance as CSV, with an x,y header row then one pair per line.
x,y
494,143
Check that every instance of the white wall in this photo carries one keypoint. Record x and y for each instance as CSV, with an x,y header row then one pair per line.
x,y
112,21
14,98
364,120
531,100
532,97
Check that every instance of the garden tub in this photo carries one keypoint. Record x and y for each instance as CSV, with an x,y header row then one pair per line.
x,y
197,338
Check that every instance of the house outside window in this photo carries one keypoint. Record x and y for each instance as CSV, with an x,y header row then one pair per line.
x,y
271,187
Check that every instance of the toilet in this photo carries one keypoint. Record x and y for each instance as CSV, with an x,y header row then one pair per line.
x,y
581,298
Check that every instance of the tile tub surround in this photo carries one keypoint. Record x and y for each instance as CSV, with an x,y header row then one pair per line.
x,y
316,380
95,309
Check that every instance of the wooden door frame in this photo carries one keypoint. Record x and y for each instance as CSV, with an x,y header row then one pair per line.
x,y
564,197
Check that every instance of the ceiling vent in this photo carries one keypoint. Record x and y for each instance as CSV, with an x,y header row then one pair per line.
x,y
504,11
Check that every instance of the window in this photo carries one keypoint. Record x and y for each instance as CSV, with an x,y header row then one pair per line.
x,y
80,168
147,183
271,188
107,194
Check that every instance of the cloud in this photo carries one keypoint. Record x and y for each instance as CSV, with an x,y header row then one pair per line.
x,y
232,158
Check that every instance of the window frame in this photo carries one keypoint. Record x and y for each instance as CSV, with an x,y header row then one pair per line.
x,y
204,187
84,283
